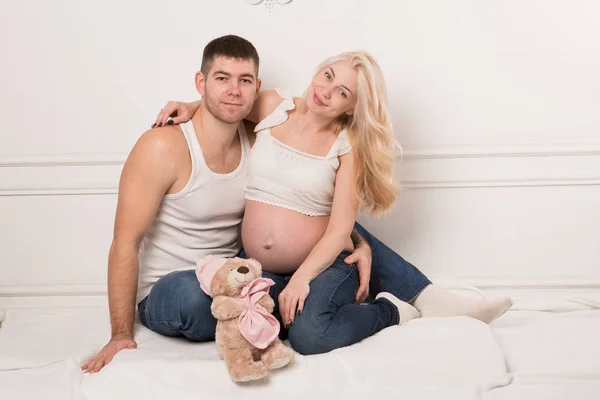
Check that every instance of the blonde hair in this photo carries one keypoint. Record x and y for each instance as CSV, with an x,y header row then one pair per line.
x,y
370,131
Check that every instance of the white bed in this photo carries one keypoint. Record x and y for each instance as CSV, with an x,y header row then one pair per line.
x,y
523,355
494,103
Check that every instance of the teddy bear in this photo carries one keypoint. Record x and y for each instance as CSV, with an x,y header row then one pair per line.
x,y
247,335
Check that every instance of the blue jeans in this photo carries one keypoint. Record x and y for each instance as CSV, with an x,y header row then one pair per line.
x,y
176,306
390,272
330,318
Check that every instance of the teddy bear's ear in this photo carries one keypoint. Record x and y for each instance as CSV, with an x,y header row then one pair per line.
x,y
200,264
255,263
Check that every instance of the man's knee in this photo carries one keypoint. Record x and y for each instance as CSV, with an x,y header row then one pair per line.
x,y
178,301
195,306
200,326
197,321
176,292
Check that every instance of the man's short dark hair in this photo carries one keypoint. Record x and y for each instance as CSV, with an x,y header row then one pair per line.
x,y
228,46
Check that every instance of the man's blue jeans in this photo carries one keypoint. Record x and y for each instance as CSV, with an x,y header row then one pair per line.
x,y
176,306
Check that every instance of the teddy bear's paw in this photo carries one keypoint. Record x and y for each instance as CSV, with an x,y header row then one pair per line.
x,y
247,373
277,356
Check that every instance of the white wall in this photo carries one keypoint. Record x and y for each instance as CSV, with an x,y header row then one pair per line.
x,y
494,102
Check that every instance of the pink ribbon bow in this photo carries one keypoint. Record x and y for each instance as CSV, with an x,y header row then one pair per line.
x,y
256,324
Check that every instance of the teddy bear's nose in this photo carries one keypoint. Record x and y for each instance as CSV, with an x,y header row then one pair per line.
x,y
243,270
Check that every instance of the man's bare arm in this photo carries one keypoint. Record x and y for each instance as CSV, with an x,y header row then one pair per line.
x,y
149,172
147,175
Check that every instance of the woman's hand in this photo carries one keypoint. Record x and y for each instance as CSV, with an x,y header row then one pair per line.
x,y
292,298
361,256
179,111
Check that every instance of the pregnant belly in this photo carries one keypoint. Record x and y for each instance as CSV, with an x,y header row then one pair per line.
x,y
279,238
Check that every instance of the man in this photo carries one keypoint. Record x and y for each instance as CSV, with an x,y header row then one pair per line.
x,y
181,197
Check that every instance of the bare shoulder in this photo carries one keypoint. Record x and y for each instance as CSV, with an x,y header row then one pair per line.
x,y
161,155
151,169
161,144
267,102
270,99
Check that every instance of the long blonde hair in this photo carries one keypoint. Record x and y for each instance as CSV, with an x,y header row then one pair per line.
x,y
370,131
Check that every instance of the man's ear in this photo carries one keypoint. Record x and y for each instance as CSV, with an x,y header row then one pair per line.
x,y
258,86
200,82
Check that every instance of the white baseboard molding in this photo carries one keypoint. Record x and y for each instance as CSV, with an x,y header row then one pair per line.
x,y
531,282
58,289
535,283
527,293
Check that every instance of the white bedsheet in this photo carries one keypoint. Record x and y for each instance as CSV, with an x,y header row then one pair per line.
x,y
430,358
523,355
557,390
551,344
550,355
56,381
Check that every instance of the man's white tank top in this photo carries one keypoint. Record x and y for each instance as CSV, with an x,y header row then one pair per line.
x,y
201,219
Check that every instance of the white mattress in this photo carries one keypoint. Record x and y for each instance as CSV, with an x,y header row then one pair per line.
x,y
523,355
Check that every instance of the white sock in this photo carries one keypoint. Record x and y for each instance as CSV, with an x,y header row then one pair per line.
x,y
437,302
406,311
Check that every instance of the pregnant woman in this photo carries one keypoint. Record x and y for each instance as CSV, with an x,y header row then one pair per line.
x,y
316,161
